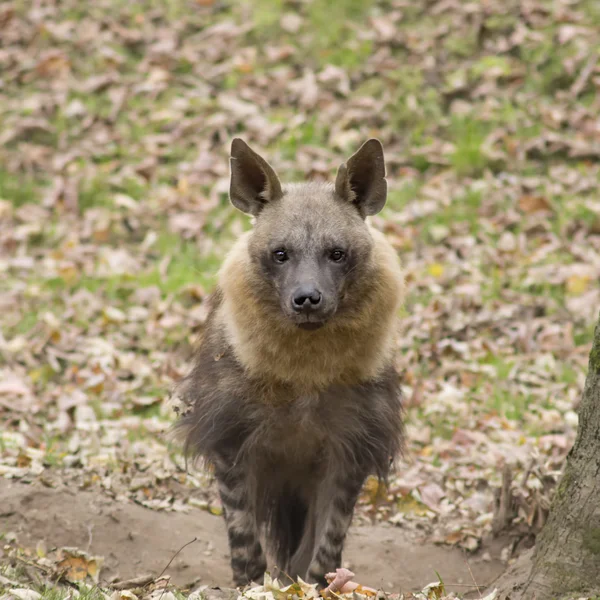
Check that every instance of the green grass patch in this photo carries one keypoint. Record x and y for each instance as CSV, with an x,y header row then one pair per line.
x,y
493,285
94,193
502,366
54,451
84,592
548,291
20,189
27,322
462,45
572,211
148,412
398,198
468,136
266,13
310,134
584,335
509,403
568,374
462,209
330,26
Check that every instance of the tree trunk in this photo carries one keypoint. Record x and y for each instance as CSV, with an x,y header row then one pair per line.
x,y
567,553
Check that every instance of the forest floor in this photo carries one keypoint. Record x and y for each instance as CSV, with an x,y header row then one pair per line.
x,y
116,120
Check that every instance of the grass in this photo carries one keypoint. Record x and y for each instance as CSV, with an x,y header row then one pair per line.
x,y
510,405
187,268
19,188
460,210
468,136
500,364
54,451
311,133
399,198
330,28
583,335
84,592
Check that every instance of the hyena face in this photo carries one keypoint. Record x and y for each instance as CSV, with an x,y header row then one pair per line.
x,y
310,243
310,246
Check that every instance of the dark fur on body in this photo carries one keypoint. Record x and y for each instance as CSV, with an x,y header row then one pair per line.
x,y
293,432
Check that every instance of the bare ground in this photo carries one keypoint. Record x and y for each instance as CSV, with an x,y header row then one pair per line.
x,y
135,540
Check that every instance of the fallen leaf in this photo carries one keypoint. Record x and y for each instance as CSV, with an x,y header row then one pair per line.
x,y
76,565
577,285
534,204
431,495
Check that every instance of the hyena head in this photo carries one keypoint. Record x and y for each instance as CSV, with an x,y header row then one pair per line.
x,y
310,245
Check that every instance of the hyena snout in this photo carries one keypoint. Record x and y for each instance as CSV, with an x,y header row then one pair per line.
x,y
307,299
309,307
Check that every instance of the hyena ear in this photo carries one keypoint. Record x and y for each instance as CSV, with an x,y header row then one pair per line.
x,y
254,183
361,180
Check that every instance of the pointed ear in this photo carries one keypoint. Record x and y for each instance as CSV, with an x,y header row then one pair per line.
x,y
254,183
361,180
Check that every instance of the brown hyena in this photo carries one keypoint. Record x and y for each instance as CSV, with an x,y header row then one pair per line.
x,y
293,397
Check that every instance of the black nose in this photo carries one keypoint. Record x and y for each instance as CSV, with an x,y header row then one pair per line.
x,y
306,298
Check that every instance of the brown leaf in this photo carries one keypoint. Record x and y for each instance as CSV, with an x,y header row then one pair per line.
x,y
76,565
53,64
534,204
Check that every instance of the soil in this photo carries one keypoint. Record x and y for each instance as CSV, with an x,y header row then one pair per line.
x,y
136,541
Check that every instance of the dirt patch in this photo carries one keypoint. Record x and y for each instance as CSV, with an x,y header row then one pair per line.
x,y
135,540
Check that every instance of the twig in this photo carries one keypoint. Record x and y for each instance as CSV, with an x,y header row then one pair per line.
x,y
503,515
472,577
175,556
527,474
172,559
46,570
281,571
584,75
466,585
127,584
90,536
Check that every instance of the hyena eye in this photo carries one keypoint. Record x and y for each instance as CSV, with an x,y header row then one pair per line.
x,y
280,255
337,255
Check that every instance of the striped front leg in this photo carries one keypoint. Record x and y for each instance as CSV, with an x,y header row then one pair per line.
x,y
247,558
338,500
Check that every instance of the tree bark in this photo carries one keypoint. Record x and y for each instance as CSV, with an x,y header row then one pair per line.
x,y
566,559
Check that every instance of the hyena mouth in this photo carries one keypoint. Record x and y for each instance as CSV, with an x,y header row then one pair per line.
x,y
311,325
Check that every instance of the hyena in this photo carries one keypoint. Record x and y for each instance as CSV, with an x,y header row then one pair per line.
x,y
293,396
